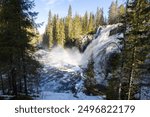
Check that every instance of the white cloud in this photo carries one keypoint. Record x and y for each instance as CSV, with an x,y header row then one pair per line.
x,y
54,1
51,1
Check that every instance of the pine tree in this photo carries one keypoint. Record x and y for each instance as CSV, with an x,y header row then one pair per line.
x,y
55,29
15,46
136,45
113,13
85,23
77,27
91,23
68,24
61,38
47,38
49,30
99,17
121,13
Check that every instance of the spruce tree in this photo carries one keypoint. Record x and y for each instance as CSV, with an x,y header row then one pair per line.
x,y
113,13
136,45
49,31
91,23
85,23
77,27
15,46
61,38
55,30
99,17
68,24
121,13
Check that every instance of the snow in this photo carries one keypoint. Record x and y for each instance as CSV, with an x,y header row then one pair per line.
x,y
1,92
6,97
145,93
67,96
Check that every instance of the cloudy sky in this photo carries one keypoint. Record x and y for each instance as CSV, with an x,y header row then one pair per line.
x,y
61,7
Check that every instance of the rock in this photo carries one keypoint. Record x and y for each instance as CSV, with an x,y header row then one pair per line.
x,y
119,29
86,40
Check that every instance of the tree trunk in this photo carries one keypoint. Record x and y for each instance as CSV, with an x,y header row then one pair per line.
x,y
131,76
14,84
9,83
20,85
2,84
24,75
25,84
119,91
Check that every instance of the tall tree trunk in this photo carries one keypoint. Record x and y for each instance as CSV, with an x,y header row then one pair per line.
x,y
24,74
121,71
119,90
20,85
9,83
25,83
14,83
2,84
131,75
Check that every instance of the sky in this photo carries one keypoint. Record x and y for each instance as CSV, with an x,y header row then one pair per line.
x,y
61,7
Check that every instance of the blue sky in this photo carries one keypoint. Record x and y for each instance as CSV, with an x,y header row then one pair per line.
x,y
61,7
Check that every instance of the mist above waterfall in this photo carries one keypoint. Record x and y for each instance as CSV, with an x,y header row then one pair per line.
x,y
59,56
70,56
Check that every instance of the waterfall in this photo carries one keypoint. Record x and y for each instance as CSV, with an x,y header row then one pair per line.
x,y
99,50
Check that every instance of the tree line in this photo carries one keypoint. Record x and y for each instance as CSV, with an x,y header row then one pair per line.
x,y
68,31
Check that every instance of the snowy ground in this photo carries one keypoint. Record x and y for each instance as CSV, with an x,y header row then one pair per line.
x,y
67,96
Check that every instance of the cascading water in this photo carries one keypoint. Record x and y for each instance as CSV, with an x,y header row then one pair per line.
x,y
62,74
99,50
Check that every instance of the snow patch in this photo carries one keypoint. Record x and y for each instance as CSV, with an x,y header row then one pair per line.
x,y
67,96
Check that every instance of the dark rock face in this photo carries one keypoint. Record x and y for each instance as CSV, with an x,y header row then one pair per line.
x,y
119,29
86,40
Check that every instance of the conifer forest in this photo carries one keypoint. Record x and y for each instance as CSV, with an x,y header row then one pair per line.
x,y
89,56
